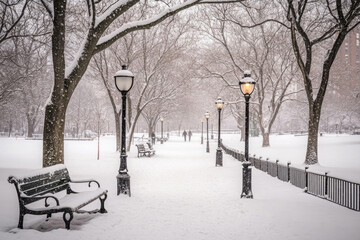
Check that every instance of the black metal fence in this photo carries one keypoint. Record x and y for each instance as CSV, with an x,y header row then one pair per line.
x,y
339,191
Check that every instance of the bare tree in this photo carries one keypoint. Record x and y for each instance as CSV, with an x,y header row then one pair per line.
x,y
24,60
97,35
154,111
32,60
160,48
318,28
11,13
265,52
237,111
99,113
106,63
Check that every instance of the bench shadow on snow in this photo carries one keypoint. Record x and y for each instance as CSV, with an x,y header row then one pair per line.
x,y
56,222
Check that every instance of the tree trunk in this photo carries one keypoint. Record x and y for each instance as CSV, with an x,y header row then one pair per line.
x,y
129,114
266,139
31,127
10,127
53,140
54,123
77,129
132,130
150,130
98,147
313,129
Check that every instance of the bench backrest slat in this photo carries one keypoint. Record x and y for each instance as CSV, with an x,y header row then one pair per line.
x,y
41,184
141,147
55,190
52,187
43,179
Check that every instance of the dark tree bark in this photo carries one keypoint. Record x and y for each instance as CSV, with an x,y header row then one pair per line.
x,y
266,139
342,23
65,82
101,64
10,126
30,126
54,124
11,15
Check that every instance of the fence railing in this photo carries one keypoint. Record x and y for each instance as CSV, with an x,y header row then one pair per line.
x,y
298,177
339,191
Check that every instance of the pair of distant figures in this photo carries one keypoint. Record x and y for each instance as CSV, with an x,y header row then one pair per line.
x,y
185,134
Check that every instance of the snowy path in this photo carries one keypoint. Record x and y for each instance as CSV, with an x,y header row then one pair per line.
x,y
180,194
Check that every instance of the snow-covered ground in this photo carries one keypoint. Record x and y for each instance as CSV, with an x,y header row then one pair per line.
x,y
177,194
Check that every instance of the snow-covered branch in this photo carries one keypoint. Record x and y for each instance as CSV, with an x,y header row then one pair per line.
x,y
49,8
126,28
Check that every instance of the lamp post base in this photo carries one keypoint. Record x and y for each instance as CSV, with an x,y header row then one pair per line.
x,y
246,191
202,140
219,155
207,146
161,141
123,183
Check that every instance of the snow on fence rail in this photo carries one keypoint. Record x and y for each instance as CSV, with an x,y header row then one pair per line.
x,y
336,190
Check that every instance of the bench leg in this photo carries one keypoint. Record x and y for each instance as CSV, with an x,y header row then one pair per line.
x,y
21,220
48,216
67,221
102,202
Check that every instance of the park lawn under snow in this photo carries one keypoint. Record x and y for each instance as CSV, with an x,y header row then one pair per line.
x,y
176,194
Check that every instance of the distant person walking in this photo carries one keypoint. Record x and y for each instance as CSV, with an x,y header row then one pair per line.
x,y
184,135
190,134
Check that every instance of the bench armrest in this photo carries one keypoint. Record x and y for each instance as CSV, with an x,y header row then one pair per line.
x,y
86,181
46,199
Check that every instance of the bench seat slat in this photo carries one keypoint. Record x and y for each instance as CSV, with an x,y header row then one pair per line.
x,y
74,201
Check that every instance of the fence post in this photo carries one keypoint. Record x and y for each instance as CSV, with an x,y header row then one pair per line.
x,y
326,185
306,179
267,165
277,168
288,167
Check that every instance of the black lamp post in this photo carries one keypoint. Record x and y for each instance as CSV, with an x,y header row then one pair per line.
x,y
219,104
162,132
202,130
247,86
207,116
124,80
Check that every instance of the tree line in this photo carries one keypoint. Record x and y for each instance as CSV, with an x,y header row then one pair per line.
x,y
48,47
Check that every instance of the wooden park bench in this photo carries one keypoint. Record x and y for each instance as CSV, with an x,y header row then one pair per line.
x,y
42,184
144,150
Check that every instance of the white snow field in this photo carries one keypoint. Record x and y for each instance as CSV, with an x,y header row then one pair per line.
x,y
180,194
